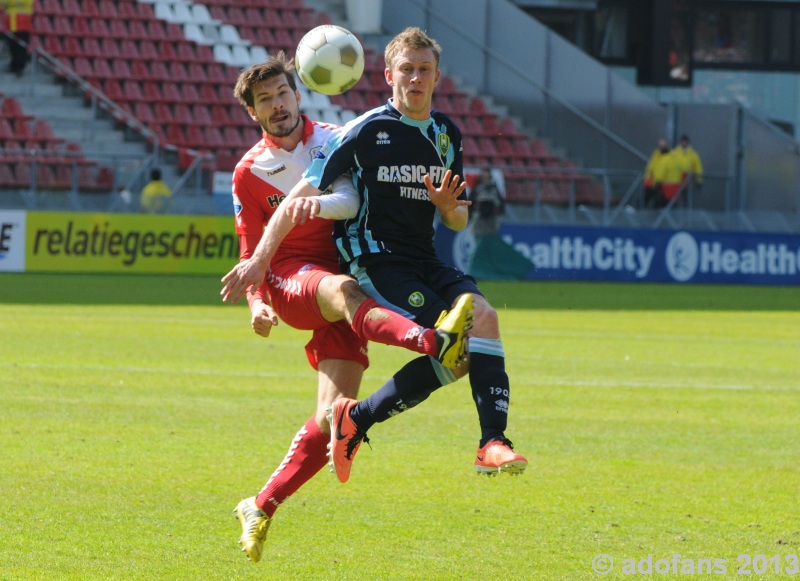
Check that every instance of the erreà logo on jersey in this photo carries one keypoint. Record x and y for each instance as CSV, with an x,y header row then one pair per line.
x,y
444,143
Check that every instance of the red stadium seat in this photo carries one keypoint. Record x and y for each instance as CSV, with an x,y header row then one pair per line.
x,y
102,70
176,135
90,8
163,113
128,49
11,108
47,7
53,45
118,29
83,68
62,25
159,72
108,9
177,72
195,137
109,47
209,93
72,47
181,114
6,131
190,94
22,174
156,30
71,8
236,15
201,114
197,72
45,177
137,30
119,69
152,92
148,51
214,138
233,136
220,114
171,93
113,90
186,53
7,177
144,112
91,48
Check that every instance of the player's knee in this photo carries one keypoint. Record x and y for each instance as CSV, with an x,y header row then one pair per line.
x,y
485,320
351,290
336,295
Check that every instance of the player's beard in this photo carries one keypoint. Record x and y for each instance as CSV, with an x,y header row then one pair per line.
x,y
276,131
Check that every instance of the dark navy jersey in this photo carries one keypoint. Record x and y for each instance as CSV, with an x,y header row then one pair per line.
x,y
388,154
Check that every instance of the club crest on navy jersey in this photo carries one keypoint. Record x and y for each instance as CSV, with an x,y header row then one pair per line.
x,y
444,143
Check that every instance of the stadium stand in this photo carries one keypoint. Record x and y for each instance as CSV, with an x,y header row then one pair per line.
x,y
29,147
172,64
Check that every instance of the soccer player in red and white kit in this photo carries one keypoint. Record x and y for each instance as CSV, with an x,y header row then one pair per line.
x,y
304,285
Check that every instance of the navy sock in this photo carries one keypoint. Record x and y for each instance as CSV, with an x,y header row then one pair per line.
x,y
490,387
408,387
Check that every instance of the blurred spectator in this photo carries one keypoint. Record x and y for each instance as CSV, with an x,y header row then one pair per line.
x,y
662,176
156,195
488,204
689,162
17,19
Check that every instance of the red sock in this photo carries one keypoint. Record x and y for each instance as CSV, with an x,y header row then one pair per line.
x,y
307,455
381,325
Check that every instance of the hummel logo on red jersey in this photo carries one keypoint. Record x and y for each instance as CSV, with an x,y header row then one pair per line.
x,y
272,171
383,138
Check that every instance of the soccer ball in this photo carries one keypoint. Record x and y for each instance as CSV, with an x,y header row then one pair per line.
x,y
329,59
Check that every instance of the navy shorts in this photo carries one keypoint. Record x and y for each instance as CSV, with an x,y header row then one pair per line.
x,y
418,289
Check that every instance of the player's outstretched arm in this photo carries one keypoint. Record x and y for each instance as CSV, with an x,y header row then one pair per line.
x,y
454,211
342,203
250,272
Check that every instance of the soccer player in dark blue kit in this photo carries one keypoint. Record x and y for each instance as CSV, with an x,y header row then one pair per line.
x,y
397,154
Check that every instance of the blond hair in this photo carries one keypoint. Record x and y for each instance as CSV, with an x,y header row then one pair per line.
x,y
413,38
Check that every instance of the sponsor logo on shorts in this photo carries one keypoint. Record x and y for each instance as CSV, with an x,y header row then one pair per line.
x,y
287,285
416,299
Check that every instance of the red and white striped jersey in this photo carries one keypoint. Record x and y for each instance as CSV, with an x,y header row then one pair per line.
x,y
263,178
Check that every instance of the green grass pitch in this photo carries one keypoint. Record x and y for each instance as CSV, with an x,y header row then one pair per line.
x,y
135,412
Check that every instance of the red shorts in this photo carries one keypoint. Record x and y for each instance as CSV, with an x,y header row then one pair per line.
x,y
670,190
292,287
